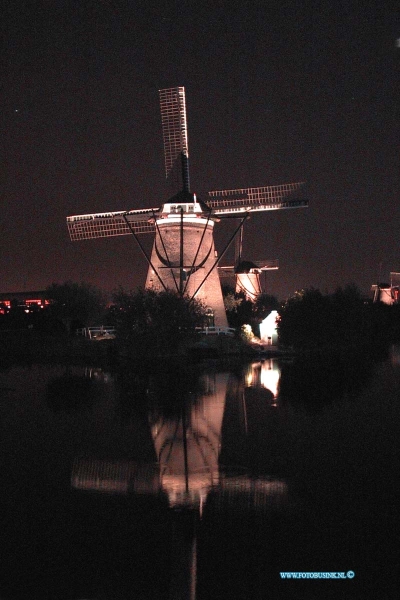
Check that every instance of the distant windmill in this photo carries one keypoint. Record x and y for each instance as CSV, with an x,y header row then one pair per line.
x,y
247,273
183,256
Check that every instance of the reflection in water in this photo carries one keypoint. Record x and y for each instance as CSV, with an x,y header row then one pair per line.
x,y
270,375
187,447
70,392
154,506
395,355
115,476
98,374
187,442
323,378
265,374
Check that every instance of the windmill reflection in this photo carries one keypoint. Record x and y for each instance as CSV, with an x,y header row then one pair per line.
x,y
188,433
185,418
188,446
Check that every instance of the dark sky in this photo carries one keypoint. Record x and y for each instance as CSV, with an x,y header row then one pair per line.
x,y
276,92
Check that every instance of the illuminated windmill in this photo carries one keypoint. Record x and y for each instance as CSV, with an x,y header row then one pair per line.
x,y
247,273
183,256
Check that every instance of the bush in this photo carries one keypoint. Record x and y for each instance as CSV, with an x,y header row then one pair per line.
x,y
154,323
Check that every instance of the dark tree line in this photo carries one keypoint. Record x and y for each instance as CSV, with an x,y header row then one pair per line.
x,y
310,320
156,323
76,304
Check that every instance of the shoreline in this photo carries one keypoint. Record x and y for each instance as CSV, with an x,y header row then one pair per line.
x,y
26,346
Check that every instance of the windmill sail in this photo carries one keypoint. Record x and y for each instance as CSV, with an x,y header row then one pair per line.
x,y
86,227
247,266
273,197
174,128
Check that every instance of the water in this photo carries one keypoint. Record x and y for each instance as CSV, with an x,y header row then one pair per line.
x,y
202,482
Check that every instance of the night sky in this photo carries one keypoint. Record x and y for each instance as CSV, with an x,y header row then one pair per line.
x,y
276,92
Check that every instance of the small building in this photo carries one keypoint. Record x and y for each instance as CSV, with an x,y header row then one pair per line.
x,y
269,330
29,300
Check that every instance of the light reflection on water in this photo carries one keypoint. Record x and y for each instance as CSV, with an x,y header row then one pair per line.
x,y
187,447
214,472
265,373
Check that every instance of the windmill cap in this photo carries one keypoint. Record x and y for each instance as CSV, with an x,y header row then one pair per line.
x,y
246,266
184,197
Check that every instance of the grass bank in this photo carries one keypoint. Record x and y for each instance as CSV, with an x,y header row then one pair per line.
x,y
29,346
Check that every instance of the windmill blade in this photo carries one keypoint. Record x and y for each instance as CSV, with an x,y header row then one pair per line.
x,y
274,197
174,128
226,271
249,266
267,265
99,225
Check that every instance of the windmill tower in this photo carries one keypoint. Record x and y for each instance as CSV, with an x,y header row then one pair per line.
x,y
183,256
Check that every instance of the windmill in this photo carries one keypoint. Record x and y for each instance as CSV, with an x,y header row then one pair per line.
x,y
247,273
183,257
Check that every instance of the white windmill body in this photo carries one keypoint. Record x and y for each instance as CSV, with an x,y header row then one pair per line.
x,y
183,257
248,274
248,281
187,267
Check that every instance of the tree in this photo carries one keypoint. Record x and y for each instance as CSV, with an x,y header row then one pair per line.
x,y
232,300
76,304
349,316
264,304
303,322
344,319
241,311
154,323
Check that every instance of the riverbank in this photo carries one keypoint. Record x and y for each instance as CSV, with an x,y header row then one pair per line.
x,y
27,346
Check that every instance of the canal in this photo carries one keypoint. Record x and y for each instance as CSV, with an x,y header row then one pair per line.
x,y
265,480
